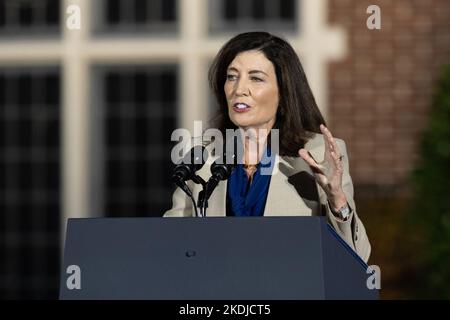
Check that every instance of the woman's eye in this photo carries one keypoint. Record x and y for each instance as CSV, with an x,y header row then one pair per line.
x,y
231,77
256,79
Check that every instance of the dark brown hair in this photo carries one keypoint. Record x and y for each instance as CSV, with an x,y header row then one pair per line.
x,y
298,115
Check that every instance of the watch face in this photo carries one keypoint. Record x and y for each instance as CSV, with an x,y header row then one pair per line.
x,y
345,211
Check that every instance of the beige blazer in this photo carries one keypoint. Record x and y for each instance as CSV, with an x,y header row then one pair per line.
x,y
293,191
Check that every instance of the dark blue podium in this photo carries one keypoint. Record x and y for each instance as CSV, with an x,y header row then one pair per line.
x,y
216,258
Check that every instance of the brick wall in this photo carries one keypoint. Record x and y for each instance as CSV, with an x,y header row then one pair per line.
x,y
381,93
379,99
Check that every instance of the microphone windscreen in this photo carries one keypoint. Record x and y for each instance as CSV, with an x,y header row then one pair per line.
x,y
194,159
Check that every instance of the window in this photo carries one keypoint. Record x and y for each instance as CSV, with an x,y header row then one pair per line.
x,y
141,16
140,113
132,110
238,15
29,182
29,17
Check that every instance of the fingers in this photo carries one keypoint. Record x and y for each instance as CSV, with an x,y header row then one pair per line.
x,y
337,161
305,155
326,141
310,161
330,143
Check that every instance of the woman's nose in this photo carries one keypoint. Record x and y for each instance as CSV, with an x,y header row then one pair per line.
x,y
242,88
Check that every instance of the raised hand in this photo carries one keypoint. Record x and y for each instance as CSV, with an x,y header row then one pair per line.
x,y
328,173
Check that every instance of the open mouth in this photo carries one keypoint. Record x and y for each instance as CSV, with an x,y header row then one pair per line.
x,y
241,107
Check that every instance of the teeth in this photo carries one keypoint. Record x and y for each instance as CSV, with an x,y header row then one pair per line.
x,y
241,106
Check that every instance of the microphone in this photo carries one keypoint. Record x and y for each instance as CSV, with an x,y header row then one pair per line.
x,y
185,170
221,169
219,172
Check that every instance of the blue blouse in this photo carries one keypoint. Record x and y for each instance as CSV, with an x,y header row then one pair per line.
x,y
245,198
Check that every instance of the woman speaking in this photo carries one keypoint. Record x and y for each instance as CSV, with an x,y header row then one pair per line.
x,y
259,84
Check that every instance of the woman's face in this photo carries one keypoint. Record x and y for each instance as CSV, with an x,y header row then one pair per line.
x,y
251,90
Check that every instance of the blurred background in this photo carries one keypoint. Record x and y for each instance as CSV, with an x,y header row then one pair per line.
x,y
86,117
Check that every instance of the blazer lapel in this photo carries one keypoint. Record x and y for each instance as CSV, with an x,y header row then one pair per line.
x,y
292,191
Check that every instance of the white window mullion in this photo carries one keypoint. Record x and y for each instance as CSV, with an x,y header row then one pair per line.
x,y
30,52
193,28
75,113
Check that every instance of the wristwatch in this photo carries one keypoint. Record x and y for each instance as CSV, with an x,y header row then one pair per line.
x,y
343,212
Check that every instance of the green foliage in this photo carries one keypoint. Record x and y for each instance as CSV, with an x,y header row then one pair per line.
x,y
431,205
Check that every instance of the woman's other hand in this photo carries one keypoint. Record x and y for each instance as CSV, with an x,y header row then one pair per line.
x,y
329,172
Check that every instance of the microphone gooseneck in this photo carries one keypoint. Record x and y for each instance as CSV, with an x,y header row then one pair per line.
x,y
221,169
186,168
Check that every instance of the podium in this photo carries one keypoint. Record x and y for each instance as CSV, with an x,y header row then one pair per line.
x,y
214,258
